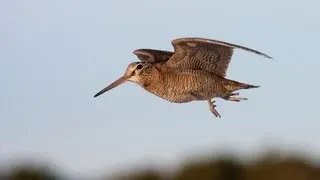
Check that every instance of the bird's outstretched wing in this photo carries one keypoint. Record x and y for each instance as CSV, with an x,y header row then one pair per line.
x,y
204,54
152,55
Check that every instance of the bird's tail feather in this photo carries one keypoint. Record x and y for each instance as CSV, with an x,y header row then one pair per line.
x,y
248,86
234,86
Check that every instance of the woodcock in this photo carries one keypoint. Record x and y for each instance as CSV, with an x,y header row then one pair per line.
x,y
196,70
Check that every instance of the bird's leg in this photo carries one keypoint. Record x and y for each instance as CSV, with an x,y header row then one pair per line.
x,y
212,108
233,94
237,99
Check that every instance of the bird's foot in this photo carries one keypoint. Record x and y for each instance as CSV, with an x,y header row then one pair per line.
x,y
233,94
237,99
213,109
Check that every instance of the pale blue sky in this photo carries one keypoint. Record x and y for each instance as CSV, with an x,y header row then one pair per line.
x,y
55,55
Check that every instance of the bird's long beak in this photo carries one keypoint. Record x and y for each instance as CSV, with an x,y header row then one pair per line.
x,y
112,85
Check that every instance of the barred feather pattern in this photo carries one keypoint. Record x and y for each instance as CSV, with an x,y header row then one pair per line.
x,y
183,85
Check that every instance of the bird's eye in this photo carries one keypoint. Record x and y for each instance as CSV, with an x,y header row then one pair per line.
x,y
139,66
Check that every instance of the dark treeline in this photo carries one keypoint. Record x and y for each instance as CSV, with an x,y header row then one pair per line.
x,y
219,168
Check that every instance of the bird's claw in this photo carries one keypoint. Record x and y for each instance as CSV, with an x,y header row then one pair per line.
x,y
234,94
231,97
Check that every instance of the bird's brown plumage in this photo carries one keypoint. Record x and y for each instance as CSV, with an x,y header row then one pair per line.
x,y
185,85
196,70
195,53
153,55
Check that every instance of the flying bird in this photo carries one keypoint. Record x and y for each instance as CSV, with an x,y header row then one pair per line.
x,y
195,71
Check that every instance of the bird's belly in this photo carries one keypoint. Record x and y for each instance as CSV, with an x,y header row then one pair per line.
x,y
178,96
184,87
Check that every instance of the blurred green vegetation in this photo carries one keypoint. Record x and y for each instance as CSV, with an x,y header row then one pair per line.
x,y
211,168
29,171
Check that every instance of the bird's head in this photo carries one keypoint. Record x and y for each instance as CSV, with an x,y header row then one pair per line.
x,y
136,72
